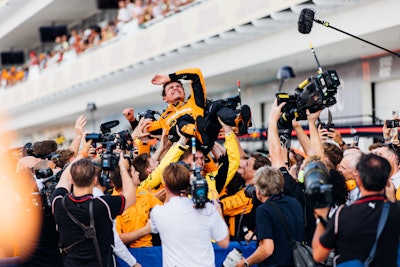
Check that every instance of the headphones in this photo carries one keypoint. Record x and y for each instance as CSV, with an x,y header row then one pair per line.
x,y
104,178
351,184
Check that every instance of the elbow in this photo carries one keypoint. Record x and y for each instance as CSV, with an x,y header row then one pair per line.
x,y
224,243
124,238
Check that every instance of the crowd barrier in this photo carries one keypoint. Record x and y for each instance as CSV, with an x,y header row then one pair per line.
x,y
152,256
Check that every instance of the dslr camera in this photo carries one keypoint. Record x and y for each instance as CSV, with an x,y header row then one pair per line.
x,y
47,181
316,184
109,159
148,114
314,94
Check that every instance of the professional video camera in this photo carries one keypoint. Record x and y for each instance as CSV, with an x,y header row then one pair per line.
x,y
199,190
105,135
46,182
314,94
148,114
109,159
316,184
198,184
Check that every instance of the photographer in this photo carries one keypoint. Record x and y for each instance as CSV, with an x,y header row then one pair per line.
x,y
353,230
273,245
85,223
120,250
186,232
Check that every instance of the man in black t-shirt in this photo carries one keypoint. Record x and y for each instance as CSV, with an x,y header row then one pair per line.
x,y
357,224
79,250
274,216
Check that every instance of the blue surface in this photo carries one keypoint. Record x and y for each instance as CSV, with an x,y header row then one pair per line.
x,y
152,256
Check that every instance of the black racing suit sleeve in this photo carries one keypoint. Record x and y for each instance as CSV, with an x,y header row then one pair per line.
x,y
198,90
220,178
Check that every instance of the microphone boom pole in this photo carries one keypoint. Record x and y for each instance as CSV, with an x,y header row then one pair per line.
x,y
306,20
328,25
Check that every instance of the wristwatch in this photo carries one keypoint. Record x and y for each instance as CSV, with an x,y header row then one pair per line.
x,y
246,264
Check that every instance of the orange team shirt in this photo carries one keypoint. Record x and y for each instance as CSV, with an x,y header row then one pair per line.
x,y
136,217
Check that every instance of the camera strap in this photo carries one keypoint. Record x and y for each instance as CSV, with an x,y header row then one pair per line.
x,y
381,224
240,224
89,231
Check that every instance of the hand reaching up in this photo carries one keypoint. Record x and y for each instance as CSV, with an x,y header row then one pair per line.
x,y
129,114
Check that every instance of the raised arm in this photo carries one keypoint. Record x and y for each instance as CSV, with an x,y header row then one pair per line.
x,y
315,139
162,146
274,144
198,86
232,150
129,114
128,187
303,138
79,132
140,136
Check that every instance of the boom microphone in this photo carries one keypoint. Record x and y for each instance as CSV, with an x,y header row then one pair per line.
x,y
306,20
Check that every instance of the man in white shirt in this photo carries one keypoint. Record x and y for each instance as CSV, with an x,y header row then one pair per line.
x,y
186,232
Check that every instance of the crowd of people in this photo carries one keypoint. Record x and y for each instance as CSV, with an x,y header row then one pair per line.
x,y
131,16
329,194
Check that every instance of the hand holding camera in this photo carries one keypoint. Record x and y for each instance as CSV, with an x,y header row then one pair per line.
x,y
389,128
323,134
